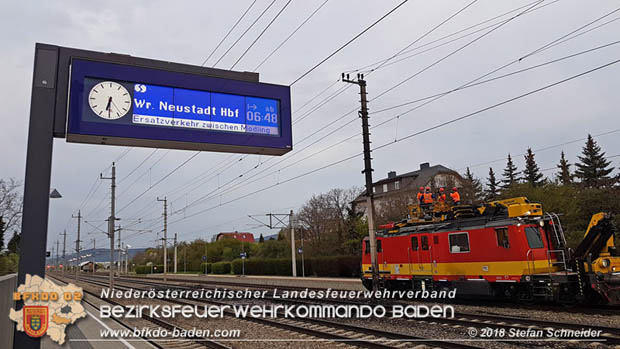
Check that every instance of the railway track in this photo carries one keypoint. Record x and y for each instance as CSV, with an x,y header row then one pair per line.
x,y
154,323
611,335
323,329
577,309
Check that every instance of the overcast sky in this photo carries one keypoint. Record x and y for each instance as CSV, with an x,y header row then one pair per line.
x,y
188,31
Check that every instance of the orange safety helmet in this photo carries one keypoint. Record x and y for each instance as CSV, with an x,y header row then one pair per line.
x,y
428,188
421,188
454,189
441,190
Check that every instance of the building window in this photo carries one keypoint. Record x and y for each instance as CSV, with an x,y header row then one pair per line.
x,y
397,185
502,237
374,190
459,242
414,243
385,188
425,242
534,239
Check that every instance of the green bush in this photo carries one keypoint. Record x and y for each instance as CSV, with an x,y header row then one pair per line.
x,y
209,268
146,269
338,266
221,268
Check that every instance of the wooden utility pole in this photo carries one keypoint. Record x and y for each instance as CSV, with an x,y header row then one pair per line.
x,y
370,209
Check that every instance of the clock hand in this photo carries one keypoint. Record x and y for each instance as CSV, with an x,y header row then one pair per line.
x,y
115,106
109,102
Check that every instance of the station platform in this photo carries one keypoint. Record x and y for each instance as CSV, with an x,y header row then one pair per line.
x,y
85,334
349,284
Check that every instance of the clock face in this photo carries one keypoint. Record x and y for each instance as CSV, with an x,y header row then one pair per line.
x,y
110,100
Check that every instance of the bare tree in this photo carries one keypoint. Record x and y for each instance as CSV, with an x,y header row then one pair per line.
x,y
324,218
396,208
10,204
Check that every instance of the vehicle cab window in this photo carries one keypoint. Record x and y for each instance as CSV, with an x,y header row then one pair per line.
x,y
534,238
502,237
459,242
414,243
425,242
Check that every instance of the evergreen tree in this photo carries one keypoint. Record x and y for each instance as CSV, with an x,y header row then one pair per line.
x,y
564,175
492,185
511,175
13,245
261,238
593,169
473,188
532,174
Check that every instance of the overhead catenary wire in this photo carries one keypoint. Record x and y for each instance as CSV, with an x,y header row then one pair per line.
x,y
290,35
230,31
384,62
455,51
206,197
159,181
347,43
541,149
443,124
363,68
138,166
261,34
245,32
341,90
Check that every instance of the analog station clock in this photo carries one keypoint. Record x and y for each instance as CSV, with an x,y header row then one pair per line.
x,y
109,100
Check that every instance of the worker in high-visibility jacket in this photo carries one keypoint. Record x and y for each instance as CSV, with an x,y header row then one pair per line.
x,y
420,194
442,195
455,196
427,198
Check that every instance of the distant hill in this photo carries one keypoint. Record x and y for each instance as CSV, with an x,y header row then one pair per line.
x,y
268,237
100,255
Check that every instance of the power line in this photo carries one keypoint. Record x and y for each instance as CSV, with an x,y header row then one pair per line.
x,y
230,31
342,89
497,104
455,51
290,35
261,33
453,34
347,43
473,84
139,165
159,181
206,196
245,32
542,149
410,136
426,34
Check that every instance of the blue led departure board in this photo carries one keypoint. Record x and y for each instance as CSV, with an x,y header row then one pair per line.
x,y
129,105
177,107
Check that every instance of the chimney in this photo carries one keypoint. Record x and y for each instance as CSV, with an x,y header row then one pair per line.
x,y
391,174
424,165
